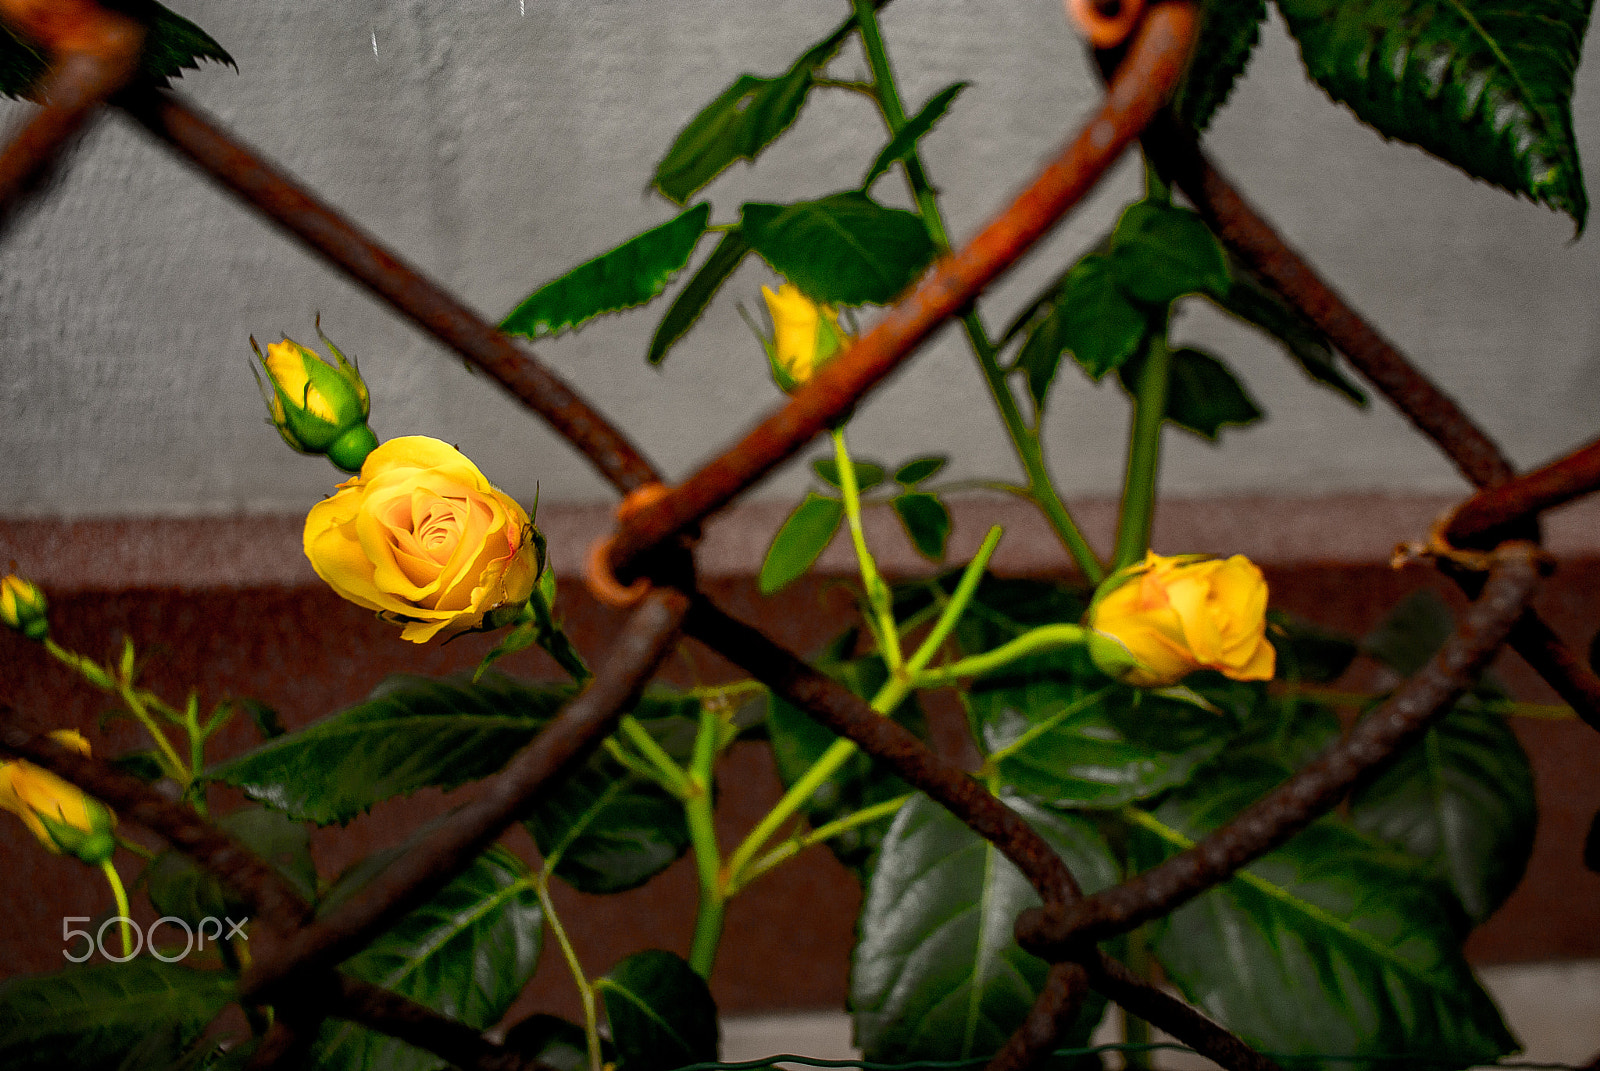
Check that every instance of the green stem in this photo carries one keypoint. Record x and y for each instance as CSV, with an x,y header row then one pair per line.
x,y
1025,440
999,755
1144,454
951,614
591,1022
879,600
669,774
120,895
1136,1031
1035,641
795,845
707,855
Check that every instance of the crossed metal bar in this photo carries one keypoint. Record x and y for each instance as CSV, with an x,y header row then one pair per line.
x,y
94,58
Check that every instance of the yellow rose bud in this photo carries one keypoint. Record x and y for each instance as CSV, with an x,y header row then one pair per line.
x,y
421,537
58,813
22,607
805,336
318,408
1176,615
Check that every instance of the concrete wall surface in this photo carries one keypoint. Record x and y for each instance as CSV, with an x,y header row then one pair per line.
x,y
496,143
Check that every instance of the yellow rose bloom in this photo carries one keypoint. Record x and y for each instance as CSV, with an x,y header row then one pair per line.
x,y
423,538
1176,615
805,335
82,825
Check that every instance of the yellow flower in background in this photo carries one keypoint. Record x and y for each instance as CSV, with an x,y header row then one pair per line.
x,y
805,335
423,538
1176,615
58,813
318,408
23,607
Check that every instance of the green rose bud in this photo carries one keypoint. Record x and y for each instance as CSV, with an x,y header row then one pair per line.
x,y
318,408
22,607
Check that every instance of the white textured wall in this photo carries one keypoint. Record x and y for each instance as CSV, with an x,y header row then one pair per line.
x,y
497,149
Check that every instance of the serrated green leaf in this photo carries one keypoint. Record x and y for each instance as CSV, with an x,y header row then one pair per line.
x,y
869,474
936,973
172,44
904,143
1483,84
1202,394
626,277
412,733
702,286
1253,303
180,887
926,521
661,1012
1418,626
1091,318
91,1018
1332,944
466,954
744,119
806,534
1228,33
1461,801
844,249
918,469
1160,252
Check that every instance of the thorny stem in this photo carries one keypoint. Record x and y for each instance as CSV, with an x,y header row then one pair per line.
x,y
879,600
591,1022
1024,439
703,836
1144,454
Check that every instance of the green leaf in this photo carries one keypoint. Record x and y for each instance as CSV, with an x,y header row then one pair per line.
x,y
91,1018
936,973
1418,626
172,44
626,277
1160,252
412,733
1202,393
1308,652
904,143
1483,84
1090,317
918,469
466,954
1228,33
1253,303
744,119
1461,800
868,474
178,886
703,285
1332,944
806,534
661,1012
552,1041
926,521
844,249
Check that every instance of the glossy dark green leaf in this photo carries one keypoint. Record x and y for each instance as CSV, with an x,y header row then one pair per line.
x,y
1483,84
844,249
466,954
412,733
92,1018
1228,33
552,1041
661,1012
180,887
1334,944
1308,653
918,469
1253,303
806,534
904,143
926,521
1090,317
1160,252
744,119
697,293
172,44
1411,633
1203,395
936,973
1461,800
868,474
626,277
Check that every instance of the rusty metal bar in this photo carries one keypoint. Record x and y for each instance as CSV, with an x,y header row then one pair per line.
x,y
416,1024
1186,1024
1145,80
1058,931
1494,509
422,301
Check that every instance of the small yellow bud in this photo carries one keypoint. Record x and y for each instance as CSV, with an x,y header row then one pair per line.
x,y
23,607
318,408
57,813
805,336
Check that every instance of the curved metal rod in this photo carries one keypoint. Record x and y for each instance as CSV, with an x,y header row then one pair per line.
x,y
1142,84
